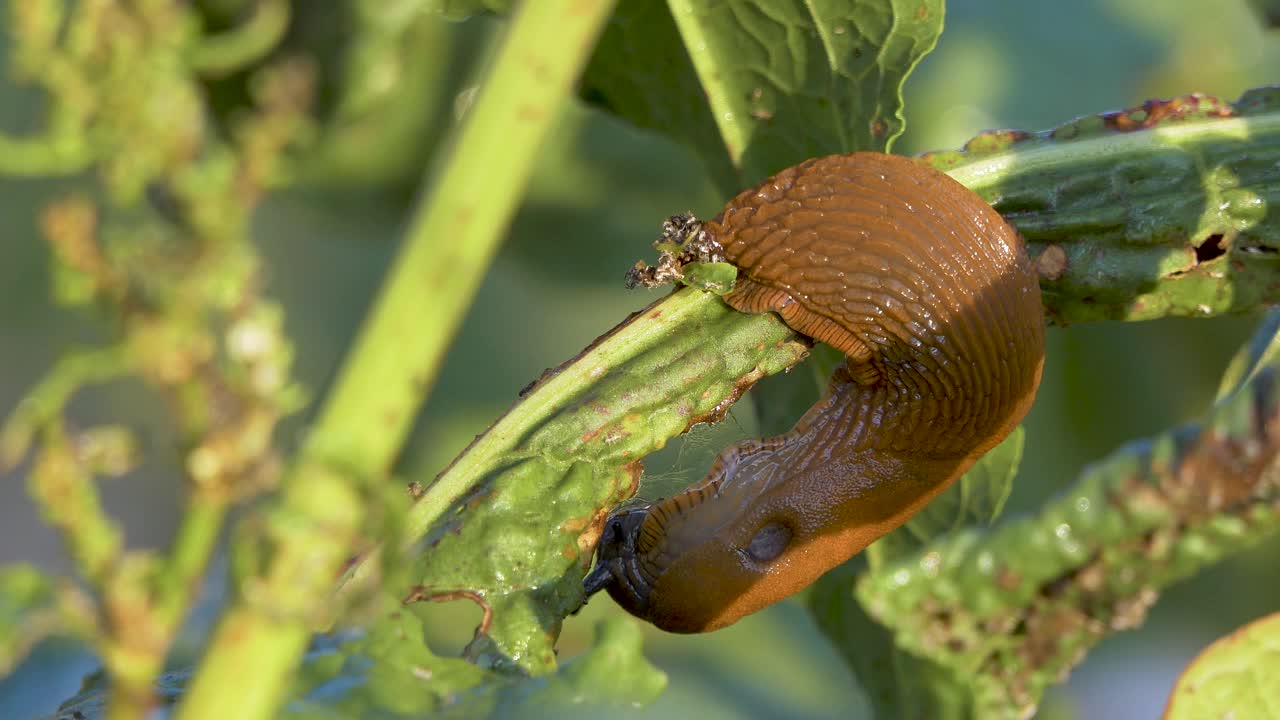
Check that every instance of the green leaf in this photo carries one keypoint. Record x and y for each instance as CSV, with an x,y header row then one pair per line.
x,y
779,81
793,80
1249,359
1158,210
389,674
515,518
714,277
975,499
1238,676
386,672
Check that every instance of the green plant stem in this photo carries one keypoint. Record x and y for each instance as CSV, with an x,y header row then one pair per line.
x,y
68,499
261,639
451,240
455,233
735,133
234,49
43,156
44,403
193,545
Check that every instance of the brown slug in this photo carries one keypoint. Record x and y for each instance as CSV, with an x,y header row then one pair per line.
x,y
931,296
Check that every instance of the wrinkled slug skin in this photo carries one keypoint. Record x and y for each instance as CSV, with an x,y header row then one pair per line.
x,y
930,294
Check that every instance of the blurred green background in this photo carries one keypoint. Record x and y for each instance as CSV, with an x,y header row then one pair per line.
x,y
596,201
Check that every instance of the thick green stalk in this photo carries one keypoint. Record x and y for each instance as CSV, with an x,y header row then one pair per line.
x,y
451,240
455,233
193,545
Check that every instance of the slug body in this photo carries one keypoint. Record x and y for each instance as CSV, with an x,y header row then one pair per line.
x,y
931,296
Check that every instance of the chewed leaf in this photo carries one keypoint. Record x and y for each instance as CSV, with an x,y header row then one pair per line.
x,y
1163,209
513,521
1238,676
717,277
385,672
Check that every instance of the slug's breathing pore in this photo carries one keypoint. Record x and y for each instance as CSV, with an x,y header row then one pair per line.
x,y
931,296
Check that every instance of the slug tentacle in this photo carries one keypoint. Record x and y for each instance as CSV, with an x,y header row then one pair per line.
x,y
931,296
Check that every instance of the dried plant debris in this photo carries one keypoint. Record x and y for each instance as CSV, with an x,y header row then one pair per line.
x,y
684,242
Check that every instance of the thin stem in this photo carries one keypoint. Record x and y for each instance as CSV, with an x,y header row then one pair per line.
x,y
43,156
44,403
193,545
237,48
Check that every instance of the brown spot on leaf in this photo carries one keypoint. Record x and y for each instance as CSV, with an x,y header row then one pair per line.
x,y
533,384
995,140
575,525
530,113
1051,263
1154,112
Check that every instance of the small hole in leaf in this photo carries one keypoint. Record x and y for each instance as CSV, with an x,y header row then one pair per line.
x,y
1213,246
448,626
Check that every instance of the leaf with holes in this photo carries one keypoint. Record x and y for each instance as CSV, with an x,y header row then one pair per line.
x,y
513,521
1157,210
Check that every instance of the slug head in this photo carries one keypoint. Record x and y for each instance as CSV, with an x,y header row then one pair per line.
x,y
691,588
699,562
